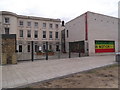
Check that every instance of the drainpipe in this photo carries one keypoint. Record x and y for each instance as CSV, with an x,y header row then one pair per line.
x,y
86,35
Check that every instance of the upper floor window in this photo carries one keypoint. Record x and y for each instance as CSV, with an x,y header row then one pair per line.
x,y
50,34
56,35
36,34
44,34
51,25
7,20
21,23
44,25
21,33
36,24
29,33
6,30
29,24
56,25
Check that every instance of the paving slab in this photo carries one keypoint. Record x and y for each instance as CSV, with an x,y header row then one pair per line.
x,y
29,72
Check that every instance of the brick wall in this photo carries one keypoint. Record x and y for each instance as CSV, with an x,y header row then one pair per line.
x,y
8,50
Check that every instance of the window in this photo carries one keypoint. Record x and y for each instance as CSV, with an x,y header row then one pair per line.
x,y
44,25
7,20
51,25
29,24
67,34
50,34
28,48
36,34
6,30
50,47
20,48
21,33
29,33
44,34
57,47
21,23
44,47
56,35
36,24
36,48
56,25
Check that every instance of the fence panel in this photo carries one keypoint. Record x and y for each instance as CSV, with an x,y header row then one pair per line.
x,y
48,51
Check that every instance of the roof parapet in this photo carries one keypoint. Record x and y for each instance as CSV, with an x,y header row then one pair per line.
x,y
29,17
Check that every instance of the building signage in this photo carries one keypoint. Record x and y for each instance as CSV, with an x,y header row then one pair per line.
x,y
104,46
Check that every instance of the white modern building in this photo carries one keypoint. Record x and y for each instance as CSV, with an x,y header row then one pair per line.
x,y
93,34
30,28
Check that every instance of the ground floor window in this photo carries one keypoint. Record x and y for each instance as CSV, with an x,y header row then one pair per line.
x,y
50,47
57,47
36,48
20,48
28,48
44,47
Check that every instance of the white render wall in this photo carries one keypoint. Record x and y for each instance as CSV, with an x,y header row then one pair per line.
x,y
0,37
40,30
101,27
39,41
76,30
119,26
15,28
12,25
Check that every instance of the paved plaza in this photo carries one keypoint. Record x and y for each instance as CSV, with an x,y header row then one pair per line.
x,y
28,72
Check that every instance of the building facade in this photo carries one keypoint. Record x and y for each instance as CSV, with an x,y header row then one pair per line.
x,y
29,28
92,34
89,34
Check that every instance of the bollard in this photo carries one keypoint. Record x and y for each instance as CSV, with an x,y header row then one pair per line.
x,y
59,54
118,57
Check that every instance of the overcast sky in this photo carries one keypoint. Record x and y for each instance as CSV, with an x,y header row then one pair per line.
x,y
62,9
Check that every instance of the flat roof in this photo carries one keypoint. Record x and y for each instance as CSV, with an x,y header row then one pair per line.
x,y
93,13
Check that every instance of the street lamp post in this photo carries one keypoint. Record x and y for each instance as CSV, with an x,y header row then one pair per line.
x,y
32,51
46,50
